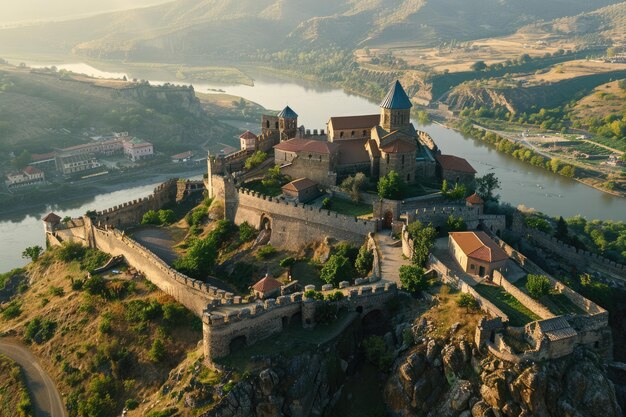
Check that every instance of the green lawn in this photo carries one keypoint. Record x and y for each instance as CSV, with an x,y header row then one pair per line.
x,y
557,303
306,274
350,208
257,185
518,314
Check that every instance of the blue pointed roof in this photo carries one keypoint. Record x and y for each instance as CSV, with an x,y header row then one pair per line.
x,y
288,113
396,98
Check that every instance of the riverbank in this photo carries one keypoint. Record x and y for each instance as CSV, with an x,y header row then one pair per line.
x,y
83,190
591,180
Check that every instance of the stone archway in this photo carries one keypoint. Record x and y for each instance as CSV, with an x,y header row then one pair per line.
x,y
388,220
237,344
265,223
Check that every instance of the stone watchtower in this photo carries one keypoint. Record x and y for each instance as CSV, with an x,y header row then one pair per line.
x,y
288,124
395,109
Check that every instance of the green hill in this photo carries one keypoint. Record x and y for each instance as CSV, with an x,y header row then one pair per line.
x,y
41,110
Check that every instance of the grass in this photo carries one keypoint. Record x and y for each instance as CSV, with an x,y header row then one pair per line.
x,y
518,314
556,302
259,187
446,313
350,208
306,274
14,396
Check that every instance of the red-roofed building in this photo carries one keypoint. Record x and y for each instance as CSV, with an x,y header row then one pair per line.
x,y
182,157
475,200
50,221
302,189
477,253
248,140
455,169
267,287
26,177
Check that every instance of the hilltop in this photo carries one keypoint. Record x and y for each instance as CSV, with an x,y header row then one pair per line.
x,y
44,109
179,31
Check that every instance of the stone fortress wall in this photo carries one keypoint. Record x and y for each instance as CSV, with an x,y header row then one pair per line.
x,y
225,315
258,321
473,217
582,259
589,329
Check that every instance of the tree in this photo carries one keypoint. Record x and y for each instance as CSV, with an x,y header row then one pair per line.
x,y
455,224
32,252
364,261
479,66
22,160
151,217
457,193
157,352
274,177
413,279
391,186
423,240
337,269
561,228
354,185
538,285
327,203
466,300
377,352
255,159
487,185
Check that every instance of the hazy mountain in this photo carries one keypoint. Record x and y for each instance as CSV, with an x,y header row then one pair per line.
x,y
196,29
39,10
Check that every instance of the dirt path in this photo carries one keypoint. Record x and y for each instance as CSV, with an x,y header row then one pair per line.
x,y
45,396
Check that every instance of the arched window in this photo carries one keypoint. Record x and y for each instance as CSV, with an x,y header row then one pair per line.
x,y
341,134
267,124
352,134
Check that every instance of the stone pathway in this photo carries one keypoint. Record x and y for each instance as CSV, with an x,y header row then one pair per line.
x,y
392,258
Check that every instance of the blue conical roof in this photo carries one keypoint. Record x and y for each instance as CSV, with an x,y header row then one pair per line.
x,y
288,113
396,98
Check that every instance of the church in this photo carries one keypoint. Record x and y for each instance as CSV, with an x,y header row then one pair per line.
x,y
374,144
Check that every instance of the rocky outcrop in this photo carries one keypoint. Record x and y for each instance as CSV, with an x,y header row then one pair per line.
x,y
440,378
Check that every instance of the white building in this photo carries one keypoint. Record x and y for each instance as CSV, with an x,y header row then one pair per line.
x,y
136,149
28,176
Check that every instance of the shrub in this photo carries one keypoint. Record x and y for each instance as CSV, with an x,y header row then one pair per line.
x,y
167,216
413,279
337,269
40,330
174,313
423,240
197,216
138,311
314,295
151,217
32,252
266,252
467,301
327,203
391,186
96,285
288,262
93,259
71,251
255,159
377,353
246,232
12,310
335,296
538,285
105,324
131,404
157,352
56,291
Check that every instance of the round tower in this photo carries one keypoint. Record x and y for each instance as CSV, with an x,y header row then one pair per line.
x,y
395,109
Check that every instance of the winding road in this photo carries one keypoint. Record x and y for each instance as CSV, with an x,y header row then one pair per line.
x,y
44,393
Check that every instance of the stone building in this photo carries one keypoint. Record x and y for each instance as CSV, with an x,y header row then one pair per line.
x,y
372,144
26,177
72,164
137,149
302,190
248,141
50,222
455,169
477,253
474,201
267,287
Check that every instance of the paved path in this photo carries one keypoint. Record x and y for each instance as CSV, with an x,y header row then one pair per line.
x,y
157,240
45,396
392,258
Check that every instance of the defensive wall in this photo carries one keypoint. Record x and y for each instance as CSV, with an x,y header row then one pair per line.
x,y
438,215
260,320
549,338
580,258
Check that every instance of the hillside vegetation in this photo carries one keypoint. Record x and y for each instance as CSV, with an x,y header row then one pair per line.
x,y
14,397
180,30
109,340
36,105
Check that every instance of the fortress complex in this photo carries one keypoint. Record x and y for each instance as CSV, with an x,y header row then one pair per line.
x,y
372,144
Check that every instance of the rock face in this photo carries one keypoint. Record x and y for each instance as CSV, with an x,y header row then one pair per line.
x,y
450,382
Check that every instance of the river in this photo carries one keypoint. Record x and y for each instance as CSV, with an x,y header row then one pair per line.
x,y
521,183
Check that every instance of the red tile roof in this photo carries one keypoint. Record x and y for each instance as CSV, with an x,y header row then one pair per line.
x,y
355,122
479,245
299,185
51,218
248,135
454,163
299,145
353,151
183,155
32,170
267,284
41,156
474,199
399,146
